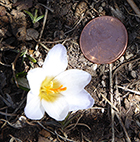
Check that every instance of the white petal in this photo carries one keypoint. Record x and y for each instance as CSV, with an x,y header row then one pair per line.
x,y
33,109
56,60
82,100
57,110
35,78
75,80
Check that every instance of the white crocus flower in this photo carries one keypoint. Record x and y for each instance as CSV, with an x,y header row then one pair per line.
x,y
55,90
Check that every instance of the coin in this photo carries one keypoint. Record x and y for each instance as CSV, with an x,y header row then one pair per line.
x,y
104,40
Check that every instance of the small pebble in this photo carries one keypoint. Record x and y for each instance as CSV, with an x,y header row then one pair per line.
x,y
130,67
94,67
37,54
32,33
51,138
100,9
137,110
40,62
121,59
22,118
133,74
103,4
55,140
129,56
102,110
103,83
133,47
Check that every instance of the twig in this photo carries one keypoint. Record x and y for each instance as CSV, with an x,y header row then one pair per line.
x,y
19,106
126,95
117,93
134,7
46,7
73,124
7,122
97,108
45,128
126,89
111,99
13,67
130,13
81,18
41,43
4,100
86,138
14,139
5,64
64,138
7,114
109,102
118,116
65,41
4,108
121,122
123,75
57,41
77,123
122,65
44,22
44,46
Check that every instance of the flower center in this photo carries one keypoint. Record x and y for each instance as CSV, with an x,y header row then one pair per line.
x,y
50,90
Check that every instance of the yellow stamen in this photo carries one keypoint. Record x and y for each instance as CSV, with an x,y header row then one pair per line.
x,y
51,90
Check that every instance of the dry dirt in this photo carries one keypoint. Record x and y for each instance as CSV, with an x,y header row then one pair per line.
x,y
22,47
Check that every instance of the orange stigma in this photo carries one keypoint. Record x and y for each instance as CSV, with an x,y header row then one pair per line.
x,y
51,91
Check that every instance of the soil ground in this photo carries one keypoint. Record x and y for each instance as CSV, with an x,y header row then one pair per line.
x,y
23,46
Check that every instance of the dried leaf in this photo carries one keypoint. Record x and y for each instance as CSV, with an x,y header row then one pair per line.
x,y
23,82
23,4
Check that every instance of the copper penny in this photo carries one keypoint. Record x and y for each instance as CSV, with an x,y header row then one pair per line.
x,y
104,40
